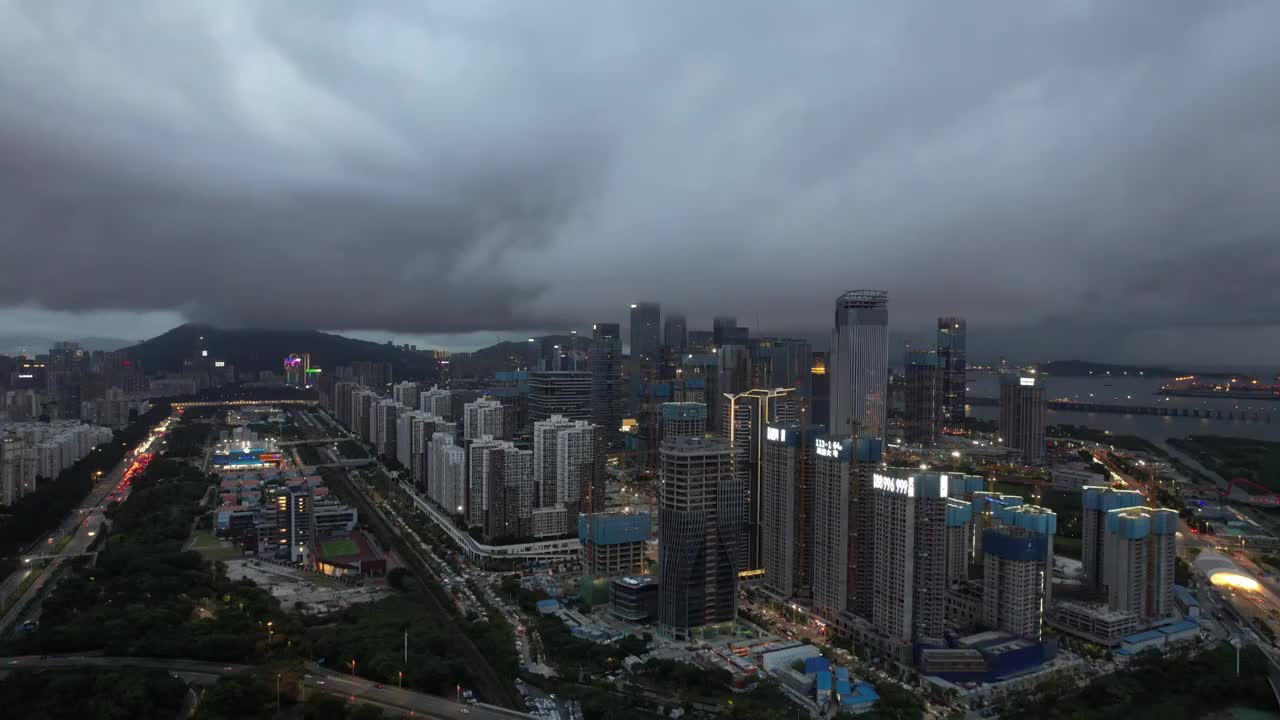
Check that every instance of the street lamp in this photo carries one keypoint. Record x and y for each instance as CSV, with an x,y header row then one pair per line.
x,y
353,668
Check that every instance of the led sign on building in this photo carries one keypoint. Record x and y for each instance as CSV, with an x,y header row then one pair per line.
x,y
902,486
827,448
776,434
1027,381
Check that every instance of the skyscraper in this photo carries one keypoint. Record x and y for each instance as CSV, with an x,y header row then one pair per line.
x,y
744,425
436,401
606,382
697,556
1017,576
1022,408
566,393
858,364
1139,559
841,518
909,540
646,331
406,393
819,389
922,422
674,332
952,362
1097,501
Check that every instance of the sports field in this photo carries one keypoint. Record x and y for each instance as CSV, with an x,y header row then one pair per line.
x,y
339,548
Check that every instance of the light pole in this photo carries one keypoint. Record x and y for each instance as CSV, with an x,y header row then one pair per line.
x,y
401,673
353,668
270,631
277,693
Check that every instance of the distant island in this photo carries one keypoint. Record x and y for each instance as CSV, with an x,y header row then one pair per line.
x,y
1084,368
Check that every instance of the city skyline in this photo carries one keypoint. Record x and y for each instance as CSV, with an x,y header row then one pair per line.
x,y
1048,191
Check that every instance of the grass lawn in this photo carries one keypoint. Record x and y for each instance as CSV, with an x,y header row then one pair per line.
x,y
212,548
339,548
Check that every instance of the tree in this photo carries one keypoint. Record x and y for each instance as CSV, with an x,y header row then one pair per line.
x,y
324,707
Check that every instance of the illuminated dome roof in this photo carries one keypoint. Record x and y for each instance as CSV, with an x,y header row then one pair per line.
x,y
1222,571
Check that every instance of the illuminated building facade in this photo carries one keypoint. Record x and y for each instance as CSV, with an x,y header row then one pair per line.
x,y
952,362
859,364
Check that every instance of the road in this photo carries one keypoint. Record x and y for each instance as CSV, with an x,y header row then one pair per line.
x,y
82,524
318,679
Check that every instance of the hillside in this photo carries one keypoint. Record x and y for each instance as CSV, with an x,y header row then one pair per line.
x,y
494,358
251,350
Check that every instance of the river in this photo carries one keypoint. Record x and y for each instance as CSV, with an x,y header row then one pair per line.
x,y
1141,391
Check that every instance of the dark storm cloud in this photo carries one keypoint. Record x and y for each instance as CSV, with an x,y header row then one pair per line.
x,y
1067,174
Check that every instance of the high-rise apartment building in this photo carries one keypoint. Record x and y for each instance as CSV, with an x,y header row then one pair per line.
x,y
859,364
1097,501
607,395
952,362
436,401
682,419
1017,575
481,463
841,518
959,529
745,421
1138,561
484,416
698,516
1022,409
922,416
674,332
909,541
819,389
565,392
613,543
646,331
406,393
447,476
787,514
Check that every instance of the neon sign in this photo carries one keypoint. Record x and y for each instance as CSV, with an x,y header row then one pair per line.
x,y
827,448
901,486
775,434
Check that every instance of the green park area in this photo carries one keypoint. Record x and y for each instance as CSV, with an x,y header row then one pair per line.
x,y
339,548
1234,457
211,548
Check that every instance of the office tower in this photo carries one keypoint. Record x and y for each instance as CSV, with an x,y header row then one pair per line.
x,y
786,524
733,375
952,363
725,331
293,521
744,425
674,332
436,401
909,541
613,543
446,479
1022,407
1138,561
1017,573
682,419
1097,501
406,393
819,389
922,422
483,417
606,382
565,392
646,330
959,528
697,557
858,364
699,342
782,362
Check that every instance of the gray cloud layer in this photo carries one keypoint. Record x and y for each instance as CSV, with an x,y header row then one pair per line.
x,y
1073,172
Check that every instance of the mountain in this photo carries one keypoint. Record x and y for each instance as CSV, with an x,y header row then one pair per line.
x,y
251,350
505,355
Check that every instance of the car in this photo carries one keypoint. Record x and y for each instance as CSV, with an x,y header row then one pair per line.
x,y
378,685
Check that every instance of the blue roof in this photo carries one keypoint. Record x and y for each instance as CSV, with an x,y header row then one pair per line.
x,y
864,693
549,603
1180,626
842,688
815,664
842,673
1185,596
1142,637
824,681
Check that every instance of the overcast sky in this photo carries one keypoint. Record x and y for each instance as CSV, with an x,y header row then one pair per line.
x,y
1090,179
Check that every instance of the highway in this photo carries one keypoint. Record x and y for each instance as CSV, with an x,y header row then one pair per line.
x,y
82,524
317,679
